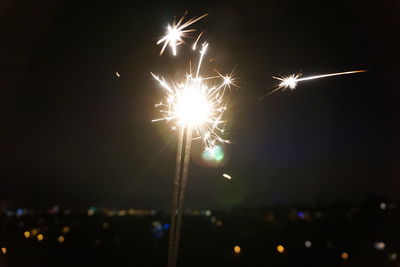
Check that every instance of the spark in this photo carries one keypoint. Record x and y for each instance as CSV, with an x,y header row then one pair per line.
x,y
176,32
228,79
197,102
227,176
292,80
195,43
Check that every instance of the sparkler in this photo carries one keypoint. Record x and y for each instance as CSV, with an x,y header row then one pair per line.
x,y
195,105
291,81
197,102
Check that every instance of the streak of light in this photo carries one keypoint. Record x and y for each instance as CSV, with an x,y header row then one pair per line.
x,y
291,81
227,176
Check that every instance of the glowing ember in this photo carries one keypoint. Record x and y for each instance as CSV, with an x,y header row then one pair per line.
x,y
197,102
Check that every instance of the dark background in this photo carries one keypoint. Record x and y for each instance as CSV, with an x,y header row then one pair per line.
x,y
74,134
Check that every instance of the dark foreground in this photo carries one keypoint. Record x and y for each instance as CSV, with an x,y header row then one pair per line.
x,y
342,235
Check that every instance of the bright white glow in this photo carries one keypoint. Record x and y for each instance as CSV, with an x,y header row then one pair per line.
x,y
290,82
197,102
227,176
192,107
227,80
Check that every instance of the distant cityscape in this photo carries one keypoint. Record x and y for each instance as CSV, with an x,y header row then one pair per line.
x,y
355,235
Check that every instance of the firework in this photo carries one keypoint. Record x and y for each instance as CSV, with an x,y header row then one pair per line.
x,y
292,80
176,32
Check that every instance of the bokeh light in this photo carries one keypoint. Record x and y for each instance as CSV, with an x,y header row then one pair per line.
x,y
392,256
66,229
344,255
280,249
237,249
27,234
105,225
380,245
34,232
40,237
61,239
4,250
308,244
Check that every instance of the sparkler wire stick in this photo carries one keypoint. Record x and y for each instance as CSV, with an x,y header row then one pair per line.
x,y
177,182
185,171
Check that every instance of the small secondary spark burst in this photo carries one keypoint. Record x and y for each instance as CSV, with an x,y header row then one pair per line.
x,y
292,80
175,33
197,102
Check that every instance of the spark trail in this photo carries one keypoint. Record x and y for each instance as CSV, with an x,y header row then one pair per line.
x,y
292,80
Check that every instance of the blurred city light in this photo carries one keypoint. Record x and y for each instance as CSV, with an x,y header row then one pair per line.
x,y
122,213
392,256
105,225
4,250
19,212
236,249
40,237
27,234
380,245
61,239
280,249
66,229
344,255
34,232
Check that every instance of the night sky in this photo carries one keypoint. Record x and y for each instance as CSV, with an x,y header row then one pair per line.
x,y
74,134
